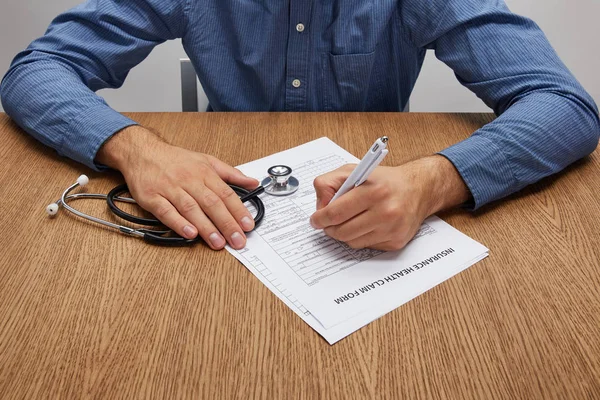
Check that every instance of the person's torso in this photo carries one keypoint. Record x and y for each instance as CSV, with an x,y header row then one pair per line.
x,y
301,55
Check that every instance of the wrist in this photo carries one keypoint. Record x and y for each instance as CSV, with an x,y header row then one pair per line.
x,y
444,187
125,146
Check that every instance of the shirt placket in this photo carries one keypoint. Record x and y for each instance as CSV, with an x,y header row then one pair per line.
x,y
297,60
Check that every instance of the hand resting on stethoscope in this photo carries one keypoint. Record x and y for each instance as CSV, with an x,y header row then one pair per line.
x,y
280,182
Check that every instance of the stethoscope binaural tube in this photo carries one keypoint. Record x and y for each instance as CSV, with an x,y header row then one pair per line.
x,y
52,209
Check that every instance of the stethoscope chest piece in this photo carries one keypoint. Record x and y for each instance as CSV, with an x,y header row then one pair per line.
x,y
280,181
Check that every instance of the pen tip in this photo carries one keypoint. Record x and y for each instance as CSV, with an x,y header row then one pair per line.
x,y
384,139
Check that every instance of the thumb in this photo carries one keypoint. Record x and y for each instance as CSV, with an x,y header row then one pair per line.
x,y
232,175
328,184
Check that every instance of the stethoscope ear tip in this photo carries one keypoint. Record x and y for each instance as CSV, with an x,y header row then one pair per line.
x,y
52,209
83,180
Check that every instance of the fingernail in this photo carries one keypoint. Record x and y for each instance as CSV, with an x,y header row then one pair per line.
x,y
312,223
216,240
247,223
189,232
237,240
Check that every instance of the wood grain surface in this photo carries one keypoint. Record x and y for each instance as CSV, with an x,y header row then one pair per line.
x,y
88,313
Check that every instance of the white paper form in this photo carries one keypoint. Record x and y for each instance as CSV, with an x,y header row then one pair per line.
x,y
344,289
333,334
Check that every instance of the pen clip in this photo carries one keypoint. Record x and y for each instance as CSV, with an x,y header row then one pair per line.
x,y
373,165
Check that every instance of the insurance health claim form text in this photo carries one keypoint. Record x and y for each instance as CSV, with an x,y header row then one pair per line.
x,y
336,289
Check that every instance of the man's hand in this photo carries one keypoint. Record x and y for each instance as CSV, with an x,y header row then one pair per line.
x,y
386,211
185,190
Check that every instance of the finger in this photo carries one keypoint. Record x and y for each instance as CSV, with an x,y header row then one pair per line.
x,y
188,207
166,213
379,241
344,208
232,175
328,184
369,239
215,209
232,201
354,228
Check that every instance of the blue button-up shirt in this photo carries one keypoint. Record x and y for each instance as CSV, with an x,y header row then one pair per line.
x,y
359,55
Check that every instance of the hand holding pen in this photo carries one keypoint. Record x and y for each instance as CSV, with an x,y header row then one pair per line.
x,y
383,207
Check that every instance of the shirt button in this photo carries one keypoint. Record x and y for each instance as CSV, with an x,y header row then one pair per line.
x,y
296,83
300,27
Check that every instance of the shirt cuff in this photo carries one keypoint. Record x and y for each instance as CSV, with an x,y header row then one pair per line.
x,y
484,168
89,130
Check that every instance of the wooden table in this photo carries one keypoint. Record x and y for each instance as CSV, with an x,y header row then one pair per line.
x,y
86,312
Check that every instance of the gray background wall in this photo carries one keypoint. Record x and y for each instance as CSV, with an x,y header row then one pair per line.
x,y
571,26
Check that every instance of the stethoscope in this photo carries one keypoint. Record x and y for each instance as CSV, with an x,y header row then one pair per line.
x,y
279,182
